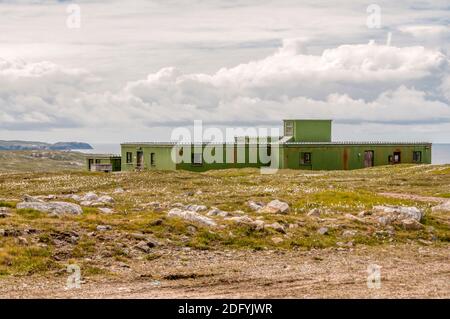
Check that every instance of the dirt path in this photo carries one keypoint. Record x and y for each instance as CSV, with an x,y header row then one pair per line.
x,y
419,198
407,271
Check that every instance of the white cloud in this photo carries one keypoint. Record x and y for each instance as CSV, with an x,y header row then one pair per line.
x,y
287,83
424,31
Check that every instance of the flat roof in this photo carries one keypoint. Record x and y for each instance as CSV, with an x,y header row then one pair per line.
x,y
288,143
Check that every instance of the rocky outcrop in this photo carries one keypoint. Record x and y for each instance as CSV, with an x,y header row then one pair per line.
x,y
51,207
400,212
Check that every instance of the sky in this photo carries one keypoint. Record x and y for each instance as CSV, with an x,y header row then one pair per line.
x,y
111,71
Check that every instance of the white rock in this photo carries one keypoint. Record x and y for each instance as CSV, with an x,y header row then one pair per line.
x,y
322,230
276,226
275,207
103,227
196,208
349,233
241,219
106,210
52,207
217,212
444,207
106,199
91,196
191,216
277,240
315,212
400,212
411,224
255,205
118,190
353,217
76,197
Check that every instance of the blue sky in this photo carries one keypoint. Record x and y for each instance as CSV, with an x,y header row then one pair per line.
x,y
133,70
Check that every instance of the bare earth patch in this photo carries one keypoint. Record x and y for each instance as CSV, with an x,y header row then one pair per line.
x,y
408,271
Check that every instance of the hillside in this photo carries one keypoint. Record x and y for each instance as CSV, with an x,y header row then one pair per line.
x,y
134,240
40,161
27,145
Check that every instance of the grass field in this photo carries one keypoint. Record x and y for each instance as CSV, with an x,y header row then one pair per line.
x,y
38,244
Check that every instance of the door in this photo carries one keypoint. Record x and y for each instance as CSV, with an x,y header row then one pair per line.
x,y
91,161
368,158
397,157
140,159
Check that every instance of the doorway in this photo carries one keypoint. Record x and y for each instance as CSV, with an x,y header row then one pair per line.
x,y
91,161
397,157
368,158
139,159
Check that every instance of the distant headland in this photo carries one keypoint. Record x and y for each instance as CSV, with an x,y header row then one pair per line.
x,y
27,145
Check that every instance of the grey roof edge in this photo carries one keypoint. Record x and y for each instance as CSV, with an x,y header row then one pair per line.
x,y
287,143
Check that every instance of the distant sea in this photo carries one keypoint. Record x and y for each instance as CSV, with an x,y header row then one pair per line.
x,y
440,155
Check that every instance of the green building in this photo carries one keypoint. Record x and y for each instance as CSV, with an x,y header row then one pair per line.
x,y
103,163
305,144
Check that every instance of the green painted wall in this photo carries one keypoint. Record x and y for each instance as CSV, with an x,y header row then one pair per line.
x,y
162,157
339,157
310,130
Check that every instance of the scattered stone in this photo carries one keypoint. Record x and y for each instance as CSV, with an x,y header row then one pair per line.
x,y
315,212
259,224
191,229
277,240
143,246
177,205
75,197
5,212
444,207
103,227
275,207
277,226
106,199
411,224
2,232
106,210
364,213
322,230
22,240
400,212
118,190
91,196
241,220
255,206
425,242
52,207
292,226
191,216
349,233
31,199
157,222
217,212
196,208
353,217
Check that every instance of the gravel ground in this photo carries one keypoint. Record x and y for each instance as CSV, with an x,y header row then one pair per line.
x,y
408,271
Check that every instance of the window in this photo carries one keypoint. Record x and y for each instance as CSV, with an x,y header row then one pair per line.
x,y
152,159
129,157
97,161
197,159
288,128
305,158
417,156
